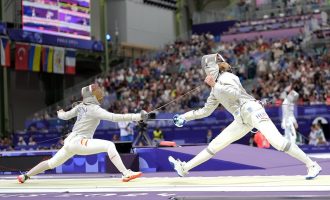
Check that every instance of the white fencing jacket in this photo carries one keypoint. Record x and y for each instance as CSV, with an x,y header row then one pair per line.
x,y
227,91
288,117
89,117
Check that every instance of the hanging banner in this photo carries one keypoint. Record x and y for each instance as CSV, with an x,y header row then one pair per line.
x,y
40,38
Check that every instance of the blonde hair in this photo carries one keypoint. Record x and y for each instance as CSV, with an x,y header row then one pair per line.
x,y
224,66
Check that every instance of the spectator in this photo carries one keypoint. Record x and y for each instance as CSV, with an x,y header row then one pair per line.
x,y
7,141
316,136
261,67
31,141
126,129
115,138
324,126
209,136
59,143
21,141
158,135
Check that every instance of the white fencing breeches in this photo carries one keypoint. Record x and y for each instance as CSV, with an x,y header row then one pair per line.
x,y
82,146
255,115
231,133
259,119
252,115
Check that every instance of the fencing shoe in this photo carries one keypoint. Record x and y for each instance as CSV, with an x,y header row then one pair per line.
x,y
178,166
22,178
130,175
313,171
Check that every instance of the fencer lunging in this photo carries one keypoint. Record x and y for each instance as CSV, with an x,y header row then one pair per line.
x,y
289,122
247,111
80,141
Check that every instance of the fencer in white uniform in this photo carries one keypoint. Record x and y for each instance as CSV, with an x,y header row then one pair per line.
x,y
289,122
247,111
80,141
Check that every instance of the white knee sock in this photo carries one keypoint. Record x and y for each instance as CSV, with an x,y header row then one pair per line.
x,y
297,153
41,167
115,158
198,159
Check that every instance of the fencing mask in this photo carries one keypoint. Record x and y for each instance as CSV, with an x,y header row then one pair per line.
x,y
293,96
92,94
210,64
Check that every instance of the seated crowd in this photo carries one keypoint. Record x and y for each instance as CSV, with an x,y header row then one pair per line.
x,y
277,65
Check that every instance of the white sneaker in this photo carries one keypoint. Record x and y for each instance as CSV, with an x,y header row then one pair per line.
x,y
313,171
130,175
178,166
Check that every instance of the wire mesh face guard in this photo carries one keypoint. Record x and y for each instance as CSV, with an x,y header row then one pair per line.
x,y
92,94
210,64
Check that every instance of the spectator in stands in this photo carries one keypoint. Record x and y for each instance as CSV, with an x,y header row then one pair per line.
x,y
327,98
10,148
152,81
7,141
316,136
53,146
209,136
31,141
126,128
158,135
261,67
324,126
242,10
21,141
32,128
59,143
2,146
115,138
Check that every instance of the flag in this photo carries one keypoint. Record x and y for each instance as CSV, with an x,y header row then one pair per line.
x,y
58,60
5,52
21,56
34,58
70,62
47,59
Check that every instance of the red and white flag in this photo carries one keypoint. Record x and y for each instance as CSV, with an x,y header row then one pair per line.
x,y
22,56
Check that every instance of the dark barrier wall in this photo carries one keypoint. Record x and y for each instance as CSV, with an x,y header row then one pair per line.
x,y
131,162
20,163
